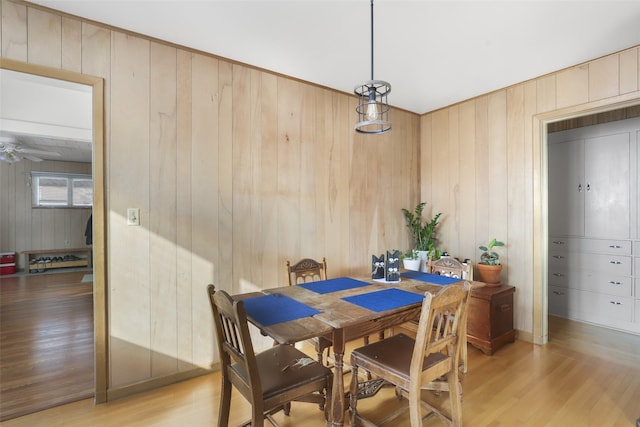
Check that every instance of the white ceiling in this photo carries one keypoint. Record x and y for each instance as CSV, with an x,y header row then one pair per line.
x,y
434,53
45,118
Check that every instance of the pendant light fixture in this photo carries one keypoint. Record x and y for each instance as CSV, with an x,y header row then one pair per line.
x,y
373,108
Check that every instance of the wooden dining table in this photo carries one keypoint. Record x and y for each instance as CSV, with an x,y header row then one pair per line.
x,y
337,313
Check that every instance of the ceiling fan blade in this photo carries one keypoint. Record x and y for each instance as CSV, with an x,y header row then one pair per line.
x,y
33,151
32,158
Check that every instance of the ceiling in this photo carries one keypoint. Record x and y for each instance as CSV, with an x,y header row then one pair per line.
x,y
44,118
434,53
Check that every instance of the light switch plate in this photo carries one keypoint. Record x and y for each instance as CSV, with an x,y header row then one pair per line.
x,y
133,216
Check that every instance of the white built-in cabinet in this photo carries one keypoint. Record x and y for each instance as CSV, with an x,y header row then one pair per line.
x,y
594,243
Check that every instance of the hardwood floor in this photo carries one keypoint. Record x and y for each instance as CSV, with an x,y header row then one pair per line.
x,y
585,376
46,341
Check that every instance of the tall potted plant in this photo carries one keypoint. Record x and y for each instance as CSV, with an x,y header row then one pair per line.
x,y
489,267
422,232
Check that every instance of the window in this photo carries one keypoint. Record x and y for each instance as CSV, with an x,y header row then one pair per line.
x,y
61,190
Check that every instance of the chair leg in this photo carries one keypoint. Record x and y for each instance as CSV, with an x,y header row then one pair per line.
x,y
455,396
225,403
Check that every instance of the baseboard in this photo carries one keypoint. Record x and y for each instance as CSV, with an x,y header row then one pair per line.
x,y
525,336
154,383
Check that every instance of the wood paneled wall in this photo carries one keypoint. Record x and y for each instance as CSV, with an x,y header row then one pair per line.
x,y
234,170
483,163
23,227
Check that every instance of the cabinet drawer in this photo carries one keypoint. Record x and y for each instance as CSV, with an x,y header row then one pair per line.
x,y
594,282
602,309
637,311
560,302
606,246
603,263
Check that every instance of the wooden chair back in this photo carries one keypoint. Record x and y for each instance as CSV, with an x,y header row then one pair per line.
x,y
430,362
439,330
306,270
235,346
451,267
259,377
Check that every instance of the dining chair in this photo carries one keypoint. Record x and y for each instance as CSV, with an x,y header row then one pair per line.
x,y
306,270
430,362
269,380
449,267
310,270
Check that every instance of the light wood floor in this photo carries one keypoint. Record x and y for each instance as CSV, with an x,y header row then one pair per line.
x,y
46,341
569,382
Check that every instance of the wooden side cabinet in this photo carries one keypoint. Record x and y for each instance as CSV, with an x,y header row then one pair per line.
x,y
490,318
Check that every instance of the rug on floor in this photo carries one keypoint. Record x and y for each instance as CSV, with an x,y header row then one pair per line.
x,y
87,278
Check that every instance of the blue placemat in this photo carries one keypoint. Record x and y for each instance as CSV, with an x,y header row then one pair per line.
x,y
333,285
436,279
386,299
276,308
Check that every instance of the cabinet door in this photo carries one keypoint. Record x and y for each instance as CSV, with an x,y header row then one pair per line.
x,y
607,203
566,188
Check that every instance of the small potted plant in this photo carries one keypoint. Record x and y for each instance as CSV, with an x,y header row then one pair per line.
x,y
411,260
489,267
422,232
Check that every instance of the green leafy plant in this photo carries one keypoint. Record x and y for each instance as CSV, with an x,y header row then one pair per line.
x,y
411,255
489,256
422,232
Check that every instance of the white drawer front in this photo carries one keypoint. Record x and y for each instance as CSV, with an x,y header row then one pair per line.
x,y
637,311
636,267
619,247
560,302
573,244
600,308
603,263
606,284
609,284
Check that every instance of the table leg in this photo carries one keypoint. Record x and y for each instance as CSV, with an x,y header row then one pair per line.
x,y
337,404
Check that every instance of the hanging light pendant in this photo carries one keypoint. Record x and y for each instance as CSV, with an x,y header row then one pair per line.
x,y
373,108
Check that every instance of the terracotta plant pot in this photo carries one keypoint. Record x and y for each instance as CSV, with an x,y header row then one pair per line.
x,y
490,274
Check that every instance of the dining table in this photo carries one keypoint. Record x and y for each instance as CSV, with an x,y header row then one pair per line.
x,y
343,309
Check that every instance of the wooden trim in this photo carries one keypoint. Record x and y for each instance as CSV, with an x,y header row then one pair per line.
x,y
540,195
99,214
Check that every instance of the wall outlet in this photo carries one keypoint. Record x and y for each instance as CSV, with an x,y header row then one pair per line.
x,y
133,216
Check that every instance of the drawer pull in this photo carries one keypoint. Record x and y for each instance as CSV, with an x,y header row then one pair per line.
x,y
503,308
615,246
558,293
558,242
615,302
558,274
615,283
615,262
558,257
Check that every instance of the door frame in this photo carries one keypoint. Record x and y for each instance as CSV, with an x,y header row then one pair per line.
x,y
541,198
98,212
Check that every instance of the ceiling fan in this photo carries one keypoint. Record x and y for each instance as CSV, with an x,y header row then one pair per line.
x,y
12,153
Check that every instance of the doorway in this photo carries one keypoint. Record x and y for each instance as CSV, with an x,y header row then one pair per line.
x,y
96,85
616,109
